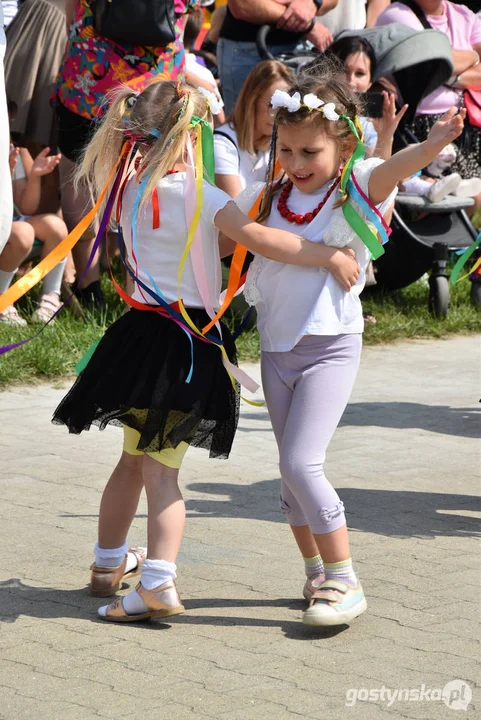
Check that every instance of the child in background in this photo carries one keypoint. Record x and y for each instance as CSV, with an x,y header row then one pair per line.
x,y
166,387
310,326
32,235
197,74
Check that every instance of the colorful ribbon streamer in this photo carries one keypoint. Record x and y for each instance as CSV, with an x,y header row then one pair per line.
x,y
463,259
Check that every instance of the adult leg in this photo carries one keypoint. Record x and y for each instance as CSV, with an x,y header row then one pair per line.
x,y
6,201
235,61
74,207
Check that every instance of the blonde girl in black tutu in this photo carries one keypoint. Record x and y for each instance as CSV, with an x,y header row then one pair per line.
x,y
167,385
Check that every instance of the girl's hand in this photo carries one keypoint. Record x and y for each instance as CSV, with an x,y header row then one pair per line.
x,y
447,129
344,267
387,125
13,157
44,163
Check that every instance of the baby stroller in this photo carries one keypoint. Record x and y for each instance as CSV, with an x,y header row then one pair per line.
x,y
295,60
423,233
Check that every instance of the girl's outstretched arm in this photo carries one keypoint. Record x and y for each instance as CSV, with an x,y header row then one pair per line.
x,y
286,247
384,178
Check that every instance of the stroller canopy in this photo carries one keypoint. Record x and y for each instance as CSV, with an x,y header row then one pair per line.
x,y
420,61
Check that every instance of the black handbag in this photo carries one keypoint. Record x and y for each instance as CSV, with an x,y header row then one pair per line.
x,y
135,22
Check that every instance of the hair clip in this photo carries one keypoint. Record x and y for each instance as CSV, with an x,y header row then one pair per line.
x,y
181,90
214,102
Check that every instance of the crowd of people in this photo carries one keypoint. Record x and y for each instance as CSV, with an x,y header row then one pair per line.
x,y
212,152
59,70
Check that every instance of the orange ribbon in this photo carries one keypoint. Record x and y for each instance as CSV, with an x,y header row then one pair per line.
x,y
34,276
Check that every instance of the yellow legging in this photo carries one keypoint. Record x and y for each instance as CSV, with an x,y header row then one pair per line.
x,y
172,457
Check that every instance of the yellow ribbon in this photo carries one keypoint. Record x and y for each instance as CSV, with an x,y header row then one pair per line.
x,y
199,186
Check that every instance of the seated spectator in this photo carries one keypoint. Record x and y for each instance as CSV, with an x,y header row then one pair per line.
x,y
359,62
291,20
241,146
35,45
196,73
463,29
195,66
32,234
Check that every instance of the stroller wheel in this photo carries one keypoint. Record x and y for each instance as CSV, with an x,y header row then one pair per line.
x,y
438,296
476,292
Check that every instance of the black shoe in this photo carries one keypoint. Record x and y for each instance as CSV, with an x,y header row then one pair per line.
x,y
91,296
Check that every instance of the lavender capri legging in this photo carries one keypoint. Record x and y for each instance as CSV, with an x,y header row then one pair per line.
x,y
307,390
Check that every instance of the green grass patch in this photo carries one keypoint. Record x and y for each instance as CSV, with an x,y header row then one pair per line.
x,y
53,355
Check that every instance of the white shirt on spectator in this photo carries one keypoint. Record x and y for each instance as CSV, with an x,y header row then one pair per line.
x,y
191,65
347,15
231,160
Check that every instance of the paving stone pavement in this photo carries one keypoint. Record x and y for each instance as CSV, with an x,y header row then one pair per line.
x,y
405,461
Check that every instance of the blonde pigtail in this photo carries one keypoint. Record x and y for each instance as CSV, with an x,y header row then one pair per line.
x,y
104,148
163,154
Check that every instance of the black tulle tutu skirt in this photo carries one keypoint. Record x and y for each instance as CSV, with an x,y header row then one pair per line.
x,y
137,377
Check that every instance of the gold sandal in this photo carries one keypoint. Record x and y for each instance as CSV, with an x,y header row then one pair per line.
x,y
105,581
161,602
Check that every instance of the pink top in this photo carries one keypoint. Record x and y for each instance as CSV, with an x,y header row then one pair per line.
x,y
463,29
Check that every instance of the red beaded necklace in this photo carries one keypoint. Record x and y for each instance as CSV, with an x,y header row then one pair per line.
x,y
299,218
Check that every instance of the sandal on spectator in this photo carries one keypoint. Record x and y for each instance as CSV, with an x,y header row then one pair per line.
x,y
10,316
47,306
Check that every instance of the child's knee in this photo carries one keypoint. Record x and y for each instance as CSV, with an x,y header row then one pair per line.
x,y
51,229
21,237
330,519
292,512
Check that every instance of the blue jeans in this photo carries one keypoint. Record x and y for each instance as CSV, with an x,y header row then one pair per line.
x,y
235,60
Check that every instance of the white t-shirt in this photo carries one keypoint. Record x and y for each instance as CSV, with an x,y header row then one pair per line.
x,y
293,301
230,160
159,251
202,72
347,15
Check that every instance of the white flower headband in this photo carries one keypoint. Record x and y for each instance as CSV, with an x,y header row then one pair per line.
x,y
293,103
214,101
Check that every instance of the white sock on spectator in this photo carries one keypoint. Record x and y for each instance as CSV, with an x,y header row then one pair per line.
x,y
52,282
5,280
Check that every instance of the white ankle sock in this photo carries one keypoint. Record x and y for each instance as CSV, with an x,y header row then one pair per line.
x,y
115,557
111,557
5,280
154,573
313,566
157,572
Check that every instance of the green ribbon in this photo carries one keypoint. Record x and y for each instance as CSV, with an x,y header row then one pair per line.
x,y
363,231
207,147
84,360
463,260
352,217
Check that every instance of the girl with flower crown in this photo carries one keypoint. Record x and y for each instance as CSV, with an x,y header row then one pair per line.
x,y
310,325
158,371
